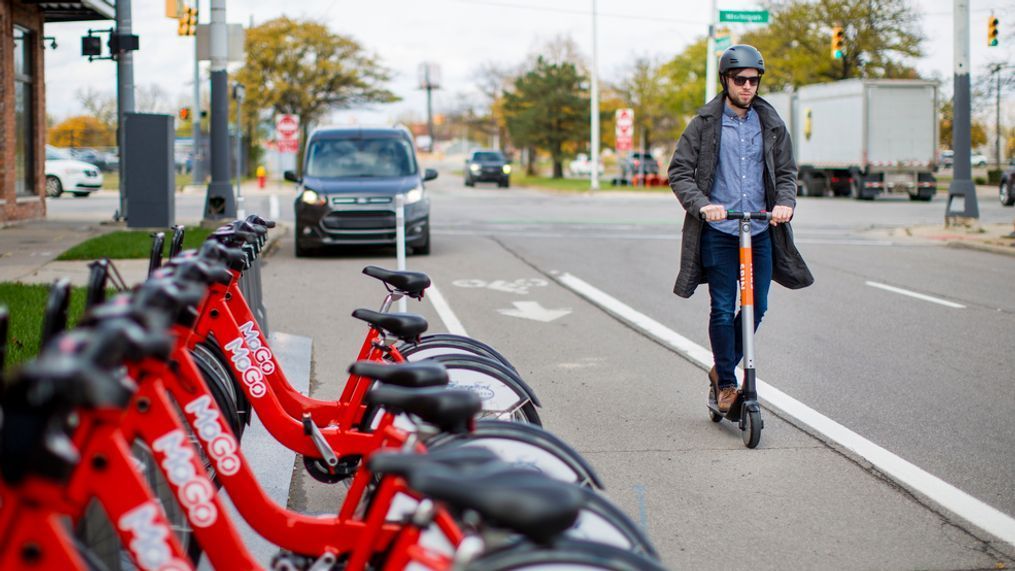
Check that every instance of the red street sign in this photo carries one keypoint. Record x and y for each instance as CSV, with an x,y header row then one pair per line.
x,y
287,132
288,146
624,130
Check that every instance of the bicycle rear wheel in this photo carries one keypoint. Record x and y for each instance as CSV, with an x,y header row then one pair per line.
x,y
563,554
448,343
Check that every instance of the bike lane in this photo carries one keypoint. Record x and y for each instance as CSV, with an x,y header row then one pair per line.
x,y
636,410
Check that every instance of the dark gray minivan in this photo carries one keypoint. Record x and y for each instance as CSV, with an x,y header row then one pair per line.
x,y
351,176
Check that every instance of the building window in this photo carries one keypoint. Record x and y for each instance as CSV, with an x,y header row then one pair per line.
x,y
24,128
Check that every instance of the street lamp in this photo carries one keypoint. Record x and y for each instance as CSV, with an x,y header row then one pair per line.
x,y
594,179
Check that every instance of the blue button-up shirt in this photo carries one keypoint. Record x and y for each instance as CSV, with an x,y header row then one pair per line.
x,y
739,183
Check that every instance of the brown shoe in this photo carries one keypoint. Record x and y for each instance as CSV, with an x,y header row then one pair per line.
x,y
713,376
727,395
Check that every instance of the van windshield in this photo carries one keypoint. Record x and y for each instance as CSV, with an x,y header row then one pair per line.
x,y
352,158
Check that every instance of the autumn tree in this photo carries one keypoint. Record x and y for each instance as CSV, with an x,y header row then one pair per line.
x,y
547,108
880,37
303,68
684,79
977,131
82,131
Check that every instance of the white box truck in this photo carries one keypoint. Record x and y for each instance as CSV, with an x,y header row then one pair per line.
x,y
862,138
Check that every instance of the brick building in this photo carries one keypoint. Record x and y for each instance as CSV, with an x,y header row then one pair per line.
x,y
23,98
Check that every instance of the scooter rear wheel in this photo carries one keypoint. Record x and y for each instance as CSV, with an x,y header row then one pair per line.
x,y
752,428
712,414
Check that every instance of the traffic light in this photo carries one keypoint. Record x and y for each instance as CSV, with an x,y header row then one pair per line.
x,y
992,23
188,22
184,113
838,42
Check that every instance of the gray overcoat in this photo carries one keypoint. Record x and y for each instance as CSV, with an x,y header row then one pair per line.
x,y
691,174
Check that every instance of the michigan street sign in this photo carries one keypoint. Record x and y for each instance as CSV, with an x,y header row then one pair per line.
x,y
744,16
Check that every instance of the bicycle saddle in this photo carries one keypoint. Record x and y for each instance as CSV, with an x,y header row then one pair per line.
x,y
454,457
405,326
194,268
235,258
409,375
255,219
450,410
523,501
412,284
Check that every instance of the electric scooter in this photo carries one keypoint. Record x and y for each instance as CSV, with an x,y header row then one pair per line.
x,y
745,410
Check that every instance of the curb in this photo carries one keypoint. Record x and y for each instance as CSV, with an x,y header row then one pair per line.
x,y
1008,250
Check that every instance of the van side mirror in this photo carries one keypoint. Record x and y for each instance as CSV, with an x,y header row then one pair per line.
x,y
429,174
291,176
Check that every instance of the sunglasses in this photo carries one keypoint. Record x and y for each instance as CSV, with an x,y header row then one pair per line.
x,y
740,80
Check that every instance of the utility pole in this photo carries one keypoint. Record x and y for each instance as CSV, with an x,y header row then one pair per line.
x,y
219,202
594,175
196,172
124,96
997,115
711,68
961,188
429,79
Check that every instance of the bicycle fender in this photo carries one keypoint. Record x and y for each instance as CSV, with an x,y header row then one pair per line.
x,y
512,437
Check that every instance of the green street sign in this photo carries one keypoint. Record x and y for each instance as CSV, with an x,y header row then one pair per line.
x,y
721,43
744,16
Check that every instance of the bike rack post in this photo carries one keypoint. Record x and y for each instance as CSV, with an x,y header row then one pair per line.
x,y
54,319
155,256
4,321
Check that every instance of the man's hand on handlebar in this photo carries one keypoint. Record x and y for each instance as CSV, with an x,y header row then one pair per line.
x,y
713,212
781,214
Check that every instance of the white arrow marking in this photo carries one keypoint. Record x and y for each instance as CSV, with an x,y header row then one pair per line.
x,y
532,310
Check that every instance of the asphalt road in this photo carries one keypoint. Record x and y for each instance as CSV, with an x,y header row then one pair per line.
x,y
926,381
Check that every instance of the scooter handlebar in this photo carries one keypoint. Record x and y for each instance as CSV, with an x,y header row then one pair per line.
x,y
734,215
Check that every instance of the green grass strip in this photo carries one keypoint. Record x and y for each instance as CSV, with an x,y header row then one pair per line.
x,y
26,303
131,244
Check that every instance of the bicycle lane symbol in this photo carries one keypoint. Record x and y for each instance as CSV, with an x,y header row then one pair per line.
x,y
520,286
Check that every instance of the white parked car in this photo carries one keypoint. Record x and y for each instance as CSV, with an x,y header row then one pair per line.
x,y
582,166
977,160
64,173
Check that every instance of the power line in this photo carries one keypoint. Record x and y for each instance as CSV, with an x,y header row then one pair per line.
x,y
582,12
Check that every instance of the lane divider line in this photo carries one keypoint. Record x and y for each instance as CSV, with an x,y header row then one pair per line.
x,y
449,318
977,512
913,294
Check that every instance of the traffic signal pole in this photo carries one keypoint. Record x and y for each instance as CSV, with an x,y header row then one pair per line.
x,y
124,97
220,203
195,116
961,190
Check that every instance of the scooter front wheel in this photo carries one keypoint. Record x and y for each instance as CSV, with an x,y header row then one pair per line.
x,y
752,428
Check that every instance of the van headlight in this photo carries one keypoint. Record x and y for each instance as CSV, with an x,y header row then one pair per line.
x,y
414,195
507,169
311,197
474,167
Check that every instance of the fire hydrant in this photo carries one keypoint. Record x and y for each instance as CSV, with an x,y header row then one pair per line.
x,y
262,174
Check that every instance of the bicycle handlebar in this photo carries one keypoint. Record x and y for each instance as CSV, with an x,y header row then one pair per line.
x,y
735,215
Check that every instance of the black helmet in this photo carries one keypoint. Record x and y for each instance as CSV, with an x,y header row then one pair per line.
x,y
741,56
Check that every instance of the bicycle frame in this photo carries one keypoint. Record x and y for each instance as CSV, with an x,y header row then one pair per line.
x,y
289,530
32,513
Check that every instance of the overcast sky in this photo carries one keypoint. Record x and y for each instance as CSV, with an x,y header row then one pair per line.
x,y
461,35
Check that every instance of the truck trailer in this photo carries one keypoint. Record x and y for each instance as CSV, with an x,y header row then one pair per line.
x,y
862,138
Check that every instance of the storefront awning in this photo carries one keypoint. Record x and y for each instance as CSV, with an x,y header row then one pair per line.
x,y
75,10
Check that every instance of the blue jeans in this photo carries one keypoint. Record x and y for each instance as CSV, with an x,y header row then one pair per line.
x,y
720,260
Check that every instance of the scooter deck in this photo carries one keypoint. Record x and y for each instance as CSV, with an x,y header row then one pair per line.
x,y
733,414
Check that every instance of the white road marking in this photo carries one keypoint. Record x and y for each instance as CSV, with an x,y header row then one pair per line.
x,y
975,511
273,210
449,318
924,297
533,310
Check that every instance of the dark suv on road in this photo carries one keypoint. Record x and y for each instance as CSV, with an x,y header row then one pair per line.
x,y
487,166
351,177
